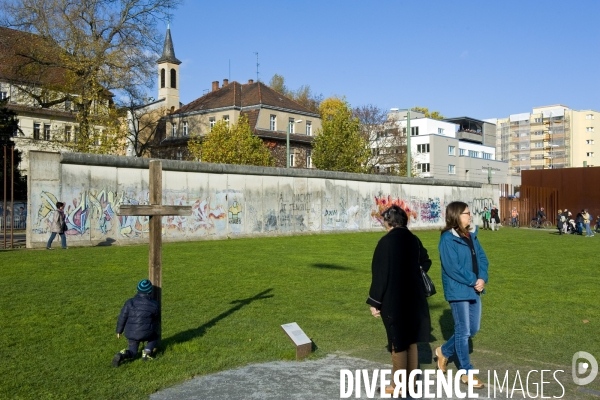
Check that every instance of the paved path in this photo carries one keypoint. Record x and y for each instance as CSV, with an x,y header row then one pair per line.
x,y
310,380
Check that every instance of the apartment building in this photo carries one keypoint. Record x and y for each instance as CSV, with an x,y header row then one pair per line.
x,y
549,137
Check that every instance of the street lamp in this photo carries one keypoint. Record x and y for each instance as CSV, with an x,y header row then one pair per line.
x,y
287,141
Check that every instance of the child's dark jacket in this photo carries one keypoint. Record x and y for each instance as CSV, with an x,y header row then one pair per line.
x,y
139,317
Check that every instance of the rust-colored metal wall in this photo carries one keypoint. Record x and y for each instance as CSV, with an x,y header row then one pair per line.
x,y
530,201
578,188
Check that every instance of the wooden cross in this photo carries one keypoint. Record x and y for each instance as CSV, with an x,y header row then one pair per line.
x,y
155,210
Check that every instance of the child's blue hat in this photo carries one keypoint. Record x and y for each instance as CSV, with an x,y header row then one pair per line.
x,y
145,286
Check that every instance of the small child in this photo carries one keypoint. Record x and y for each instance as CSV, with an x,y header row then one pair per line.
x,y
139,319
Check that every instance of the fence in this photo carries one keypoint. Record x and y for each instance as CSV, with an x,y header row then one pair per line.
x,y
531,199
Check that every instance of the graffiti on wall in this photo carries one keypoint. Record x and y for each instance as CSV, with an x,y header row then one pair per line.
x,y
431,210
382,203
477,205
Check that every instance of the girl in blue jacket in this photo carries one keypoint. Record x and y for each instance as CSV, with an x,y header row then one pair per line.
x,y
464,275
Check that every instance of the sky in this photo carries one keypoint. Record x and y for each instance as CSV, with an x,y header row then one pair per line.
x,y
481,59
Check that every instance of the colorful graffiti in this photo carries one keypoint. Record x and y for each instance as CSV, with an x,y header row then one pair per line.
x,y
431,211
382,203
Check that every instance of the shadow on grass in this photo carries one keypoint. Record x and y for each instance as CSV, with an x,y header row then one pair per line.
x,y
330,266
193,333
107,242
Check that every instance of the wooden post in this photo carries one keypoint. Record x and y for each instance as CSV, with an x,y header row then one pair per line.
x,y
155,255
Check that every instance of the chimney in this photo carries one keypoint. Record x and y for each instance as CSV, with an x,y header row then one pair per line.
x,y
250,81
215,85
225,82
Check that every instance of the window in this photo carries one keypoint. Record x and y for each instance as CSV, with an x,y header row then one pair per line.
x,y
185,128
292,160
173,130
473,153
414,131
538,120
539,145
423,148
538,133
173,78
424,167
291,125
179,155
441,131
68,133
46,131
226,119
590,154
589,116
36,130
487,156
589,129
273,122
3,95
211,122
462,152
451,150
451,169
308,128
162,78
308,159
589,142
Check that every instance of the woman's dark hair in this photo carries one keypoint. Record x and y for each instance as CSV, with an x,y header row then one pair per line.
x,y
395,217
59,204
453,212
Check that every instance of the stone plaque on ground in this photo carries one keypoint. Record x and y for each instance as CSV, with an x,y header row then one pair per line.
x,y
299,338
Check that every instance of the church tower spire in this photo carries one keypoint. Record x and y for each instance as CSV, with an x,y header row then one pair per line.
x,y
168,74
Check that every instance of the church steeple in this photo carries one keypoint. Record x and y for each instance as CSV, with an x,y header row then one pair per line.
x,y
168,74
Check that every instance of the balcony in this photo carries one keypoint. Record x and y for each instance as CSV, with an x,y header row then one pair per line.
x,y
470,136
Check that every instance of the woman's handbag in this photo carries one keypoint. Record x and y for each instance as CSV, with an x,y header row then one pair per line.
x,y
428,284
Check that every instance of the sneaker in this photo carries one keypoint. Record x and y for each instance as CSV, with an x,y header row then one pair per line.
x,y
442,362
147,355
118,358
49,248
476,383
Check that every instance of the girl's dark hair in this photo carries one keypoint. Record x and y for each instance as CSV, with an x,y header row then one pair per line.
x,y
453,212
59,204
395,217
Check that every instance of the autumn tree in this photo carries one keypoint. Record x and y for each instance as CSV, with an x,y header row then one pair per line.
x,y
339,145
231,144
377,132
432,114
101,47
303,96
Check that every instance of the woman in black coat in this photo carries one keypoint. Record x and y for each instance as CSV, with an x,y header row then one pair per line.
x,y
397,292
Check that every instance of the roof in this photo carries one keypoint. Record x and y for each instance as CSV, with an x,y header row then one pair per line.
x,y
22,109
17,49
237,95
168,54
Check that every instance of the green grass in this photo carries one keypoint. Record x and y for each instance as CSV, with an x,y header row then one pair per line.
x,y
224,302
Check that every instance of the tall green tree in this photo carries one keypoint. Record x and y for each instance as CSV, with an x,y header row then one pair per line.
x,y
98,47
432,114
339,145
8,126
231,144
303,96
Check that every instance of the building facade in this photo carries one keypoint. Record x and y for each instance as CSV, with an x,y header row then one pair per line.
x,y
549,137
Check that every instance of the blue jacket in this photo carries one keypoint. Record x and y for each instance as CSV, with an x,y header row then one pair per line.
x,y
458,277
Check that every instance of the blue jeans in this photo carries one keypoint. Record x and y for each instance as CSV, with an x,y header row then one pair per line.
x,y
588,230
63,240
467,320
133,346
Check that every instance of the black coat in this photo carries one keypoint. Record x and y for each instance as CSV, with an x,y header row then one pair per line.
x,y
139,317
397,288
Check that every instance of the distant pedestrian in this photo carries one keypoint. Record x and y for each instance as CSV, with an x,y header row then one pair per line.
x,y
58,226
579,222
514,216
139,319
560,221
485,216
598,224
494,218
586,222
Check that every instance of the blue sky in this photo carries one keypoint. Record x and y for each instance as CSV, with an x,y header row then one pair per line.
x,y
483,59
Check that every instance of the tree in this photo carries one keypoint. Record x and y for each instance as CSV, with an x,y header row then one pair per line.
x,y
144,122
433,114
99,46
374,128
233,144
8,126
303,96
339,146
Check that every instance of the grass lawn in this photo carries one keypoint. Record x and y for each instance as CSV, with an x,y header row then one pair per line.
x,y
224,302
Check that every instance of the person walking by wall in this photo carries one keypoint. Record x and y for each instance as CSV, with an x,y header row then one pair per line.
x,y
579,222
514,217
560,222
397,294
58,226
586,222
485,216
139,320
494,218
464,276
